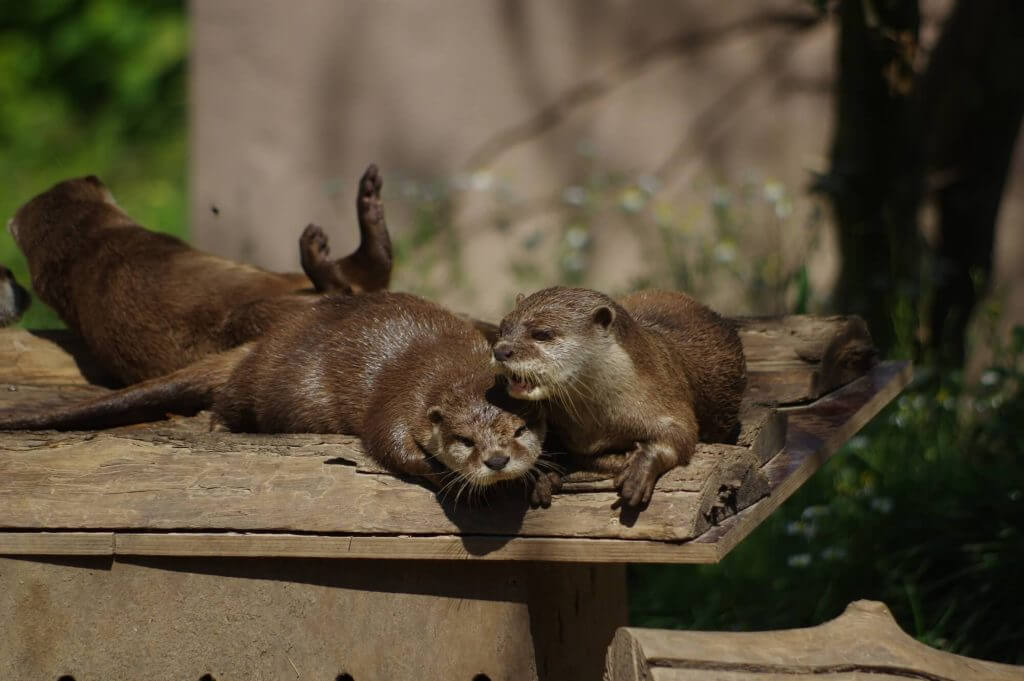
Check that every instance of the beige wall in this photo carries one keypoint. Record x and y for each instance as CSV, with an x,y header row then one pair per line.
x,y
509,104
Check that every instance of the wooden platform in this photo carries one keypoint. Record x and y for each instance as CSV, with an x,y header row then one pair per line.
x,y
174,489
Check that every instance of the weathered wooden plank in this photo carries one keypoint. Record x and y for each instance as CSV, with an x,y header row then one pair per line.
x,y
150,480
540,549
806,449
790,337
131,481
57,543
762,429
864,642
46,358
814,434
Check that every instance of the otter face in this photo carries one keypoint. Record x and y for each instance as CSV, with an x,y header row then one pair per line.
x,y
546,345
14,299
485,439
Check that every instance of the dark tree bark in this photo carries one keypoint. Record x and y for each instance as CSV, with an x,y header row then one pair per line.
x,y
972,100
874,182
952,129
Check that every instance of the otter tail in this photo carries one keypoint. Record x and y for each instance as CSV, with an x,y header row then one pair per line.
x,y
185,391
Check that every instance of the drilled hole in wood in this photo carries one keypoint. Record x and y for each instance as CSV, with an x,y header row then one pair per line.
x,y
207,677
344,677
66,677
481,677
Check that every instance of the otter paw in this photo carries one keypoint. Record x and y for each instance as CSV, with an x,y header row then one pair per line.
x,y
636,481
544,487
369,204
313,246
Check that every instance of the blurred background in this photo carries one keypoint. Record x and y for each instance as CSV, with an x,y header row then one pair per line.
x,y
784,156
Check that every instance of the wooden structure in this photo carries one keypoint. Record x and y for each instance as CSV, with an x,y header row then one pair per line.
x,y
163,550
862,644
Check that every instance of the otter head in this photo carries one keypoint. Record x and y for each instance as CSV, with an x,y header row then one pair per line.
x,y
14,299
482,435
553,339
61,206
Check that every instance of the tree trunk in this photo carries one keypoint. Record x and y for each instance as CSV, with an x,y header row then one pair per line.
x,y
972,101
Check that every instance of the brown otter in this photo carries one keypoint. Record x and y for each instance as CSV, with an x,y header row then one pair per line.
x,y
14,299
410,378
147,304
647,375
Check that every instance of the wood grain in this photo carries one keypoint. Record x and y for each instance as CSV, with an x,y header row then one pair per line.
x,y
172,488
863,643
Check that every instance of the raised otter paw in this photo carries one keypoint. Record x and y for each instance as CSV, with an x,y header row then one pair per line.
x,y
314,254
313,247
368,204
544,487
636,481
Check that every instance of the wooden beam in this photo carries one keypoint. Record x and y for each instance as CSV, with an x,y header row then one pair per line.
x,y
864,643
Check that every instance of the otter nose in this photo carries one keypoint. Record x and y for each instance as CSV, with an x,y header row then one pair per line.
x,y
496,461
502,351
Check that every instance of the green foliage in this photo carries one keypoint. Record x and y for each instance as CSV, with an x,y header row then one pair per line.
x,y
924,511
95,87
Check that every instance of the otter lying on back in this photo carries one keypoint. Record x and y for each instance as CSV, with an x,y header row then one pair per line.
x,y
410,378
147,303
646,375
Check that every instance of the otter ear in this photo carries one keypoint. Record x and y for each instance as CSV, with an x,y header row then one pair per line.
x,y
520,297
435,415
603,316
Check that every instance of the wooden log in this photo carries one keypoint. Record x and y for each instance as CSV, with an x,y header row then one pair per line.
x,y
799,358
863,644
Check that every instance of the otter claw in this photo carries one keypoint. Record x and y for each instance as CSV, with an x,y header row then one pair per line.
x,y
543,488
636,481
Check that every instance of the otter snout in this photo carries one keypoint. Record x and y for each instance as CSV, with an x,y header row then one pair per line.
x,y
496,460
503,351
14,299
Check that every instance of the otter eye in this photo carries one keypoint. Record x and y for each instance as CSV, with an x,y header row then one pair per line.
x,y
541,335
468,442
521,431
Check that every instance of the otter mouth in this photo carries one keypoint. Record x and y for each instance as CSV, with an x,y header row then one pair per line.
x,y
523,388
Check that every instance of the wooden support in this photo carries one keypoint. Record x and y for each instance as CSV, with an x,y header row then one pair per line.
x,y
862,644
166,551
288,618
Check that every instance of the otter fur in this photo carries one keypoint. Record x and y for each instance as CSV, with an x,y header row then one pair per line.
x,y
413,380
647,375
147,304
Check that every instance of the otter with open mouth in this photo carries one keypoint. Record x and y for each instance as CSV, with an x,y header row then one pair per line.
x,y
635,381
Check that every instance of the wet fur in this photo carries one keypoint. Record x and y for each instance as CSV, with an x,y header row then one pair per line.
x,y
147,304
649,375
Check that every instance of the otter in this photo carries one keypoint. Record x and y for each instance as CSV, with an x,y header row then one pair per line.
x,y
14,299
647,375
147,304
411,379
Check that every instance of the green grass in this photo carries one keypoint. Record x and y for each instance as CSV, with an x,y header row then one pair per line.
x,y
923,510
93,87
